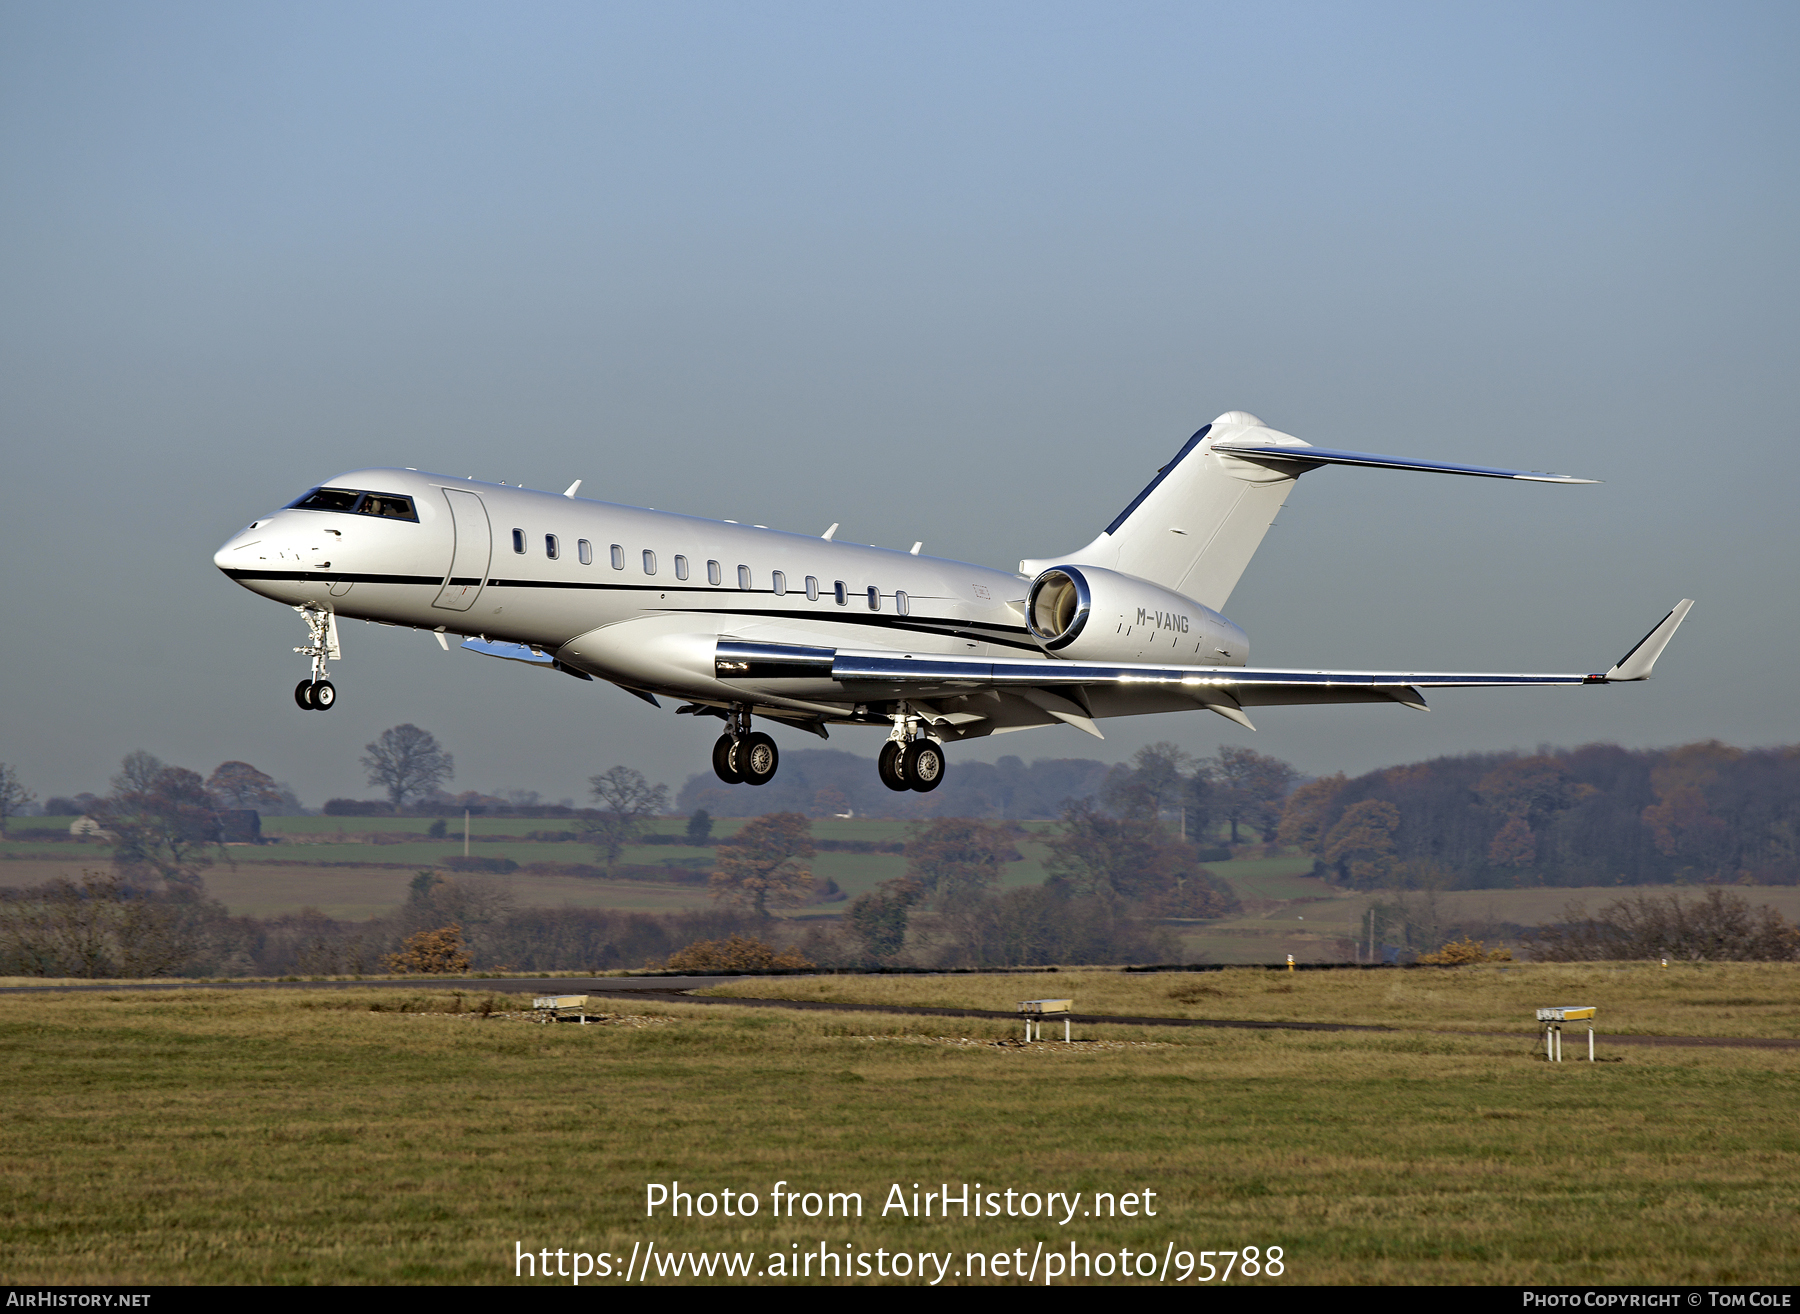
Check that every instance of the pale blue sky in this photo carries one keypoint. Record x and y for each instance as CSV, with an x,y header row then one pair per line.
x,y
952,272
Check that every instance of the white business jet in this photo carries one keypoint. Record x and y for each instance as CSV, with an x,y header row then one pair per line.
x,y
742,621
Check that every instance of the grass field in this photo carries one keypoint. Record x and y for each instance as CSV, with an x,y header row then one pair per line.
x,y
203,1136
333,864
1689,999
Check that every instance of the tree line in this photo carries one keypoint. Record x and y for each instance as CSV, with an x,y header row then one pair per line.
x,y
1595,815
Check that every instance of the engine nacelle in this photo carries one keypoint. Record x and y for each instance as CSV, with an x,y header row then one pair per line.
x,y
1088,614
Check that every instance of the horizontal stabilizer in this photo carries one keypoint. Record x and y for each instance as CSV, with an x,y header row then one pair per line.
x,y
1333,456
1636,664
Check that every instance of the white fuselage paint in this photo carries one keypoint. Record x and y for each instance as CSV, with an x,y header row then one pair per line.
x,y
650,630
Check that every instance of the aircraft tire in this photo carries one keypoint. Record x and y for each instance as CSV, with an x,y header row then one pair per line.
x,y
303,695
324,696
923,765
760,758
888,765
725,761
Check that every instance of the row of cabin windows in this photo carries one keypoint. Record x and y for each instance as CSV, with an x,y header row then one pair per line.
x,y
715,574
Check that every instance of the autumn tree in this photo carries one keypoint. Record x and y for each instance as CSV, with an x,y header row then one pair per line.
x,y
879,918
1307,814
1528,792
407,762
766,862
699,827
1460,953
1249,788
240,785
1361,844
1513,845
1156,781
735,953
626,800
1681,820
438,952
1126,857
13,796
163,821
954,856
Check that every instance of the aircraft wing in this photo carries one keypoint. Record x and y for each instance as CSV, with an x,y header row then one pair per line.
x,y
1315,456
966,697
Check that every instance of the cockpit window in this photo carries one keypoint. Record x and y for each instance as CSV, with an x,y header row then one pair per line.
x,y
388,506
327,499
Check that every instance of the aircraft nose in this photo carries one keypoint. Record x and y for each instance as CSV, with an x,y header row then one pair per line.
x,y
233,554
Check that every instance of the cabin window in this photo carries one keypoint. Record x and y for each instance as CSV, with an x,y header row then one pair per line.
x,y
780,582
649,562
585,551
552,548
812,588
681,566
618,557
843,593
744,578
714,574
901,605
519,541
874,598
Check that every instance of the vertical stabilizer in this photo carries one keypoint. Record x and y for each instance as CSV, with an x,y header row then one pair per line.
x,y
1198,523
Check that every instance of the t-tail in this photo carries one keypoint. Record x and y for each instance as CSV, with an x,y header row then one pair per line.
x,y
1196,525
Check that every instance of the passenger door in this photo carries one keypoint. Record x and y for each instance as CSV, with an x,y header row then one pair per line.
x,y
469,559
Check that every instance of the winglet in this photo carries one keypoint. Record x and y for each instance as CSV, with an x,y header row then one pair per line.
x,y
1636,664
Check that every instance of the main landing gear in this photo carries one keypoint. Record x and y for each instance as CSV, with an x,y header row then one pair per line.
x,y
318,694
910,760
743,756
315,695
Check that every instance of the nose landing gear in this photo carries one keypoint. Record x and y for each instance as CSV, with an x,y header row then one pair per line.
x,y
318,694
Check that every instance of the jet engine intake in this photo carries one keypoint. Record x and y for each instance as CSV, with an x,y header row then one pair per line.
x,y
1085,613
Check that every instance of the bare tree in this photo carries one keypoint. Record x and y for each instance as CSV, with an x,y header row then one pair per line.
x,y
13,795
625,799
162,820
1721,926
407,762
137,773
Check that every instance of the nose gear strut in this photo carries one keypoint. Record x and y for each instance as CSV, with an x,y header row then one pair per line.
x,y
318,694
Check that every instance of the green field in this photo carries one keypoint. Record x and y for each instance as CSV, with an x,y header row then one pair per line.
x,y
202,1136
358,867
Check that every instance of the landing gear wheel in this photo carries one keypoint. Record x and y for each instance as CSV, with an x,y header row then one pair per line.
x,y
889,766
324,696
759,758
726,760
923,765
303,695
